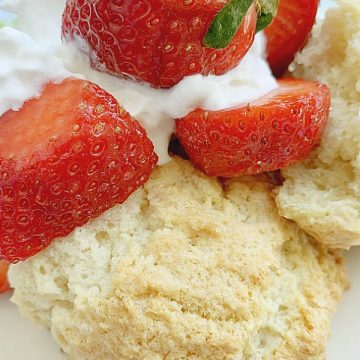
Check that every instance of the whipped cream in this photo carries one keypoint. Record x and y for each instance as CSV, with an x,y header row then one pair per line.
x,y
40,22
25,67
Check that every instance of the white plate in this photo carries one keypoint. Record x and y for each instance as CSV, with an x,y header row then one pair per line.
x,y
21,340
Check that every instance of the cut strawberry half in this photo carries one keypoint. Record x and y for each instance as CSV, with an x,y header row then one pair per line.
x,y
289,32
270,133
65,158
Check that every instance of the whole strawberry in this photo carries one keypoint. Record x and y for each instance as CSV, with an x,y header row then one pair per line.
x,y
65,158
289,32
267,134
161,41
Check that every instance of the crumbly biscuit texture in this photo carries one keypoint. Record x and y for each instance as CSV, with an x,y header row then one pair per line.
x,y
187,268
322,194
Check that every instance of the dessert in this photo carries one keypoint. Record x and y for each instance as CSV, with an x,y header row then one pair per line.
x,y
187,266
47,192
322,193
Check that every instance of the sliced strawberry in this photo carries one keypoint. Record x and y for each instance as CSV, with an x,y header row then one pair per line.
x,y
155,41
270,133
65,158
289,32
4,283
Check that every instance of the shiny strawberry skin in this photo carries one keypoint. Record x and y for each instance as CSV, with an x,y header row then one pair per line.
x,y
4,283
289,32
156,41
268,134
73,153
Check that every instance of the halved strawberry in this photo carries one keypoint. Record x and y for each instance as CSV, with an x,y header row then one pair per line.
x,y
158,41
4,283
65,158
270,133
289,32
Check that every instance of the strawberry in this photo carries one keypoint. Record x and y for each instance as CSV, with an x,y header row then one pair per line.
x,y
160,41
65,158
4,283
270,133
289,32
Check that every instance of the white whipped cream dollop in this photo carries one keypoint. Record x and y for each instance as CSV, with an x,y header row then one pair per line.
x,y
24,68
156,109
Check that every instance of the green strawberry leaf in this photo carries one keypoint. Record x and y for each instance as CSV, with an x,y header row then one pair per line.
x,y
226,23
267,10
263,21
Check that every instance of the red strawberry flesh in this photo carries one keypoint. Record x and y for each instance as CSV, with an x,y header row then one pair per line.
x,y
270,133
4,283
73,153
36,136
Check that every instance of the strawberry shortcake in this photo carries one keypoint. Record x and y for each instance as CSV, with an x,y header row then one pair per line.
x,y
148,151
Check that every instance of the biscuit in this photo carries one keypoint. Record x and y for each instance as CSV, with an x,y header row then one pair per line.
x,y
322,194
187,268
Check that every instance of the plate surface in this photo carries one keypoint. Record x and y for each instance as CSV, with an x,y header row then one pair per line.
x,y
20,339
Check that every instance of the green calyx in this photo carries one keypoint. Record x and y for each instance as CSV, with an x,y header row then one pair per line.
x,y
266,10
227,22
